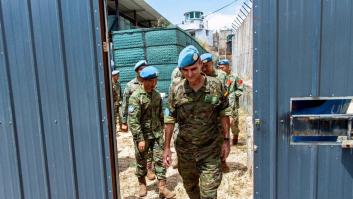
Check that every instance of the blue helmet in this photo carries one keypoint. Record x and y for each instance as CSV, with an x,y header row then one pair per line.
x,y
206,57
139,64
149,72
188,56
223,62
115,72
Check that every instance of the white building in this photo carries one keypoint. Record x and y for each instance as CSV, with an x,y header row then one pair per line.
x,y
194,24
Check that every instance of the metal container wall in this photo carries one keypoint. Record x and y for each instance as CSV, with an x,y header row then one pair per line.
x,y
53,127
301,48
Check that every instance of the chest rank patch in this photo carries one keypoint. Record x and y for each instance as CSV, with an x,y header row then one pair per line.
x,y
212,99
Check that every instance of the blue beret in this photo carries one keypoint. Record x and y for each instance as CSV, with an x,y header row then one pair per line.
x,y
115,72
149,72
188,56
139,64
223,62
206,57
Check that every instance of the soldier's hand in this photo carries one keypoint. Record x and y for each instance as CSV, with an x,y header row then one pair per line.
x,y
124,127
225,150
167,157
141,146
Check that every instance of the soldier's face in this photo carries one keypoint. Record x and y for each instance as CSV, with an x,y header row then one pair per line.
x,y
225,68
115,78
193,72
149,84
207,68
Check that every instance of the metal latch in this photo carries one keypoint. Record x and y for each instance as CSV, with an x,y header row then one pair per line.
x,y
257,122
349,129
347,144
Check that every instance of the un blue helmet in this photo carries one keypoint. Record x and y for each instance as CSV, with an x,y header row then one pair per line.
x,y
206,57
139,64
223,62
188,56
149,72
115,72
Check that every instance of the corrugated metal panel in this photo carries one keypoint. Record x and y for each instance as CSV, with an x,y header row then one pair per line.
x,y
336,74
301,48
53,132
265,104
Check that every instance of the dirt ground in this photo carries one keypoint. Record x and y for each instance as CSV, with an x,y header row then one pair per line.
x,y
237,184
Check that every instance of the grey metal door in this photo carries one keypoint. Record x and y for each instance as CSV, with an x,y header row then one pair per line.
x,y
302,48
54,139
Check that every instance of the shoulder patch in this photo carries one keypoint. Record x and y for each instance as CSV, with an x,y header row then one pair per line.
x,y
131,109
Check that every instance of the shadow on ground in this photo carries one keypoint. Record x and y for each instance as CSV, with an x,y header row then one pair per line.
x,y
238,168
125,163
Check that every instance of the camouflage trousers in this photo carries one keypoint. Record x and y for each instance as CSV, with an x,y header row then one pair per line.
x,y
234,123
117,113
201,178
234,119
154,149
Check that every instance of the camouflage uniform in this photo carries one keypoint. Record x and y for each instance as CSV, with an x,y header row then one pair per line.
x,y
117,95
131,86
199,142
146,124
222,76
235,89
176,77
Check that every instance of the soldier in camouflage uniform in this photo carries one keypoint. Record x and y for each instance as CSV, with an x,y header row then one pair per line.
x,y
176,77
131,86
209,70
196,103
235,87
146,122
116,96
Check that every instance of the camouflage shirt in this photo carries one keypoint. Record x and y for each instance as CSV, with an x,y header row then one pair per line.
x,y
222,76
234,87
196,113
117,95
145,115
176,76
131,86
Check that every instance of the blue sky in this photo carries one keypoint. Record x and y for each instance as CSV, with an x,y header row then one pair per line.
x,y
173,10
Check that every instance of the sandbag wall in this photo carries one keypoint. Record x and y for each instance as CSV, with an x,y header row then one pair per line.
x,y
159,46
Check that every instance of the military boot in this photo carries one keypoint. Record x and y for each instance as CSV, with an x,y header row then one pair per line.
x,y
164,192
142,187
225,167
150,173
235,140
